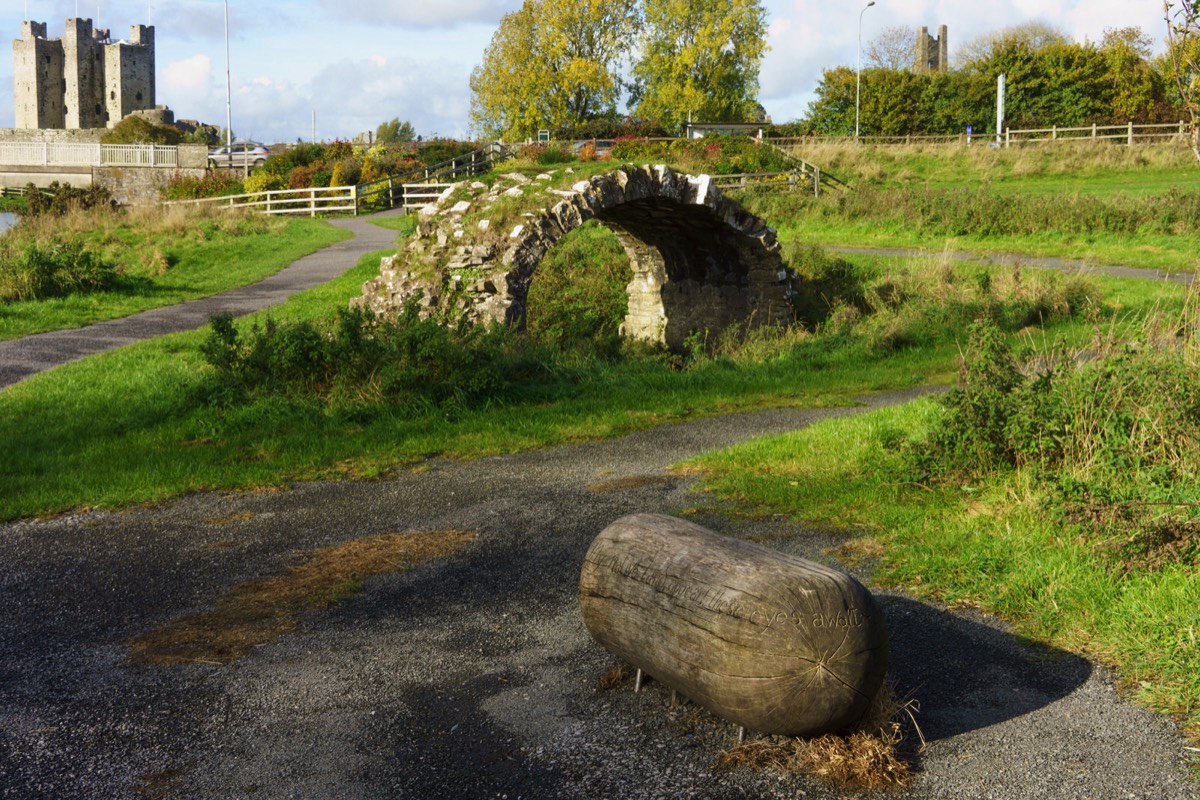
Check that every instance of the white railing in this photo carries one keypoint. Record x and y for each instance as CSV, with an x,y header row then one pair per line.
x,y
83,154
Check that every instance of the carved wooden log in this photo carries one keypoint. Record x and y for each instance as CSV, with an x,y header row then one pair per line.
x,y
766,640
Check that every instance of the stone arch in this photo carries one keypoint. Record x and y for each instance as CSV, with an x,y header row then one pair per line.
x,y
700,261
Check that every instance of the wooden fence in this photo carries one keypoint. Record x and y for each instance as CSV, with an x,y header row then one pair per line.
x,y
1128,134
310,202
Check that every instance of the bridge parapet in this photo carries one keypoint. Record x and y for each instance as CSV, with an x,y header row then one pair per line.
x,y
700,261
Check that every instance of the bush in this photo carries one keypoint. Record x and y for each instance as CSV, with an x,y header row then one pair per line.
x,y
263,182
33,271
214,183
135,130
410,364
60,199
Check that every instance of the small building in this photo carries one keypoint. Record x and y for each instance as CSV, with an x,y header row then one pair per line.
x,y
84,79
931,54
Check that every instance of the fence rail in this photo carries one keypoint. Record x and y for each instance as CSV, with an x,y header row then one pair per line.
x,y
1128,133
85,154
317,200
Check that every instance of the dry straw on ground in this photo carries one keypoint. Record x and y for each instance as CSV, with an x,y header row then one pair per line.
x,y
870,757
254,613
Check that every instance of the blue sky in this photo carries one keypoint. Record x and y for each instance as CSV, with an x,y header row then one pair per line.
x,y
356,63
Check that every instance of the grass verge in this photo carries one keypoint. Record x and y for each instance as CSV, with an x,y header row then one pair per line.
x,y
161,257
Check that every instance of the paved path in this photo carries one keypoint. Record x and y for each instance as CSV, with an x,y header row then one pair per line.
x,y
1035,262
20,358
474,677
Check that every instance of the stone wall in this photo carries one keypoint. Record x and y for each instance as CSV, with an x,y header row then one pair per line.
x,y
138,186
700,262
54,135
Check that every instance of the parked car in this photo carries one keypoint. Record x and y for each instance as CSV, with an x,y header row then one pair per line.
x,y
240,154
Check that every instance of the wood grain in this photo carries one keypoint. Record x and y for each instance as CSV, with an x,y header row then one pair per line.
x,y
769,641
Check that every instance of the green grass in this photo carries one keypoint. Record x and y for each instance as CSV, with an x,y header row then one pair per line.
x,y
128,427
985,544
169,266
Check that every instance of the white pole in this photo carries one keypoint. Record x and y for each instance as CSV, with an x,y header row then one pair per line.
x,y
228,92
1000,87
858,73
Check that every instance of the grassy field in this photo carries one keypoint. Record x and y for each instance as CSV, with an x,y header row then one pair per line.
x,y
1105,205
160,257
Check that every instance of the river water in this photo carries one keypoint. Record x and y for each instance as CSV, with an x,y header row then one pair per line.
x,y
7,220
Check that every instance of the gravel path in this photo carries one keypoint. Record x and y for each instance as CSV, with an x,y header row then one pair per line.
x,y
21,358
473,677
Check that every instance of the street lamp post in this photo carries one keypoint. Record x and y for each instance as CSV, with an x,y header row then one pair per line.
x,y
228,93
858,75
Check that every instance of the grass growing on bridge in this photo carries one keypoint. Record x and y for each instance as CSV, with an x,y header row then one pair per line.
x,y
155,257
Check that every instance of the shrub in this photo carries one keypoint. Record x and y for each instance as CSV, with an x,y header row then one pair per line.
x,y
214,183
135,130
59,199
34,271
337,178
263,182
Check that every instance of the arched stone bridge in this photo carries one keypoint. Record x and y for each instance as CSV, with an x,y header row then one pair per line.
x,y
699,260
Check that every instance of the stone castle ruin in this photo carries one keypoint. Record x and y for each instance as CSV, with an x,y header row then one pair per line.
x,y
932,54
84,79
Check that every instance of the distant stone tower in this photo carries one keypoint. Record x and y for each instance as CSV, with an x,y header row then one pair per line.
x,y
83,80
37,79
932,55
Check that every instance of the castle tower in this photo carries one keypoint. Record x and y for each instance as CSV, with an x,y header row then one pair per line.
x,y
83,68
129,74
37,78
931,55
83,80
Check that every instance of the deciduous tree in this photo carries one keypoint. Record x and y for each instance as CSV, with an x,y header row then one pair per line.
x,y
551,64
699,59
395,131
1183,52
894,47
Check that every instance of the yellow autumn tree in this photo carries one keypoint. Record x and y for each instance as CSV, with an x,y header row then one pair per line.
x,y
550,64
699,59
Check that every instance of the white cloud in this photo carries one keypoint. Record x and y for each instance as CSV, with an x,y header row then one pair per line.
x,y
422,13
186,75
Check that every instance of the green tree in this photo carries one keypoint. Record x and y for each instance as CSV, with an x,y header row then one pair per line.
x,y
1183,54
136,130
699,60
395,132
551,64
1136,87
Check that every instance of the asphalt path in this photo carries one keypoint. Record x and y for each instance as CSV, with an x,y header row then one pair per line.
x,y
473,676
21,358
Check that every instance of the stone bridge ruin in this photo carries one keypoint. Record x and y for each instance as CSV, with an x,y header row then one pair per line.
x,y
700,262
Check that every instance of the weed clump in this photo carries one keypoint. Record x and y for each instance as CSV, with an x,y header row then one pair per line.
x,y
1109,436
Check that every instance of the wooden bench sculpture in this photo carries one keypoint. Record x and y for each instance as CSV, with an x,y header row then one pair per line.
x,y
771,642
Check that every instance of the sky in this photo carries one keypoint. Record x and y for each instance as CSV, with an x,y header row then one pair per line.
x,y
338,68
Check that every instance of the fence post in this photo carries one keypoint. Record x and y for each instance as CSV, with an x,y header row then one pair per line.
x,y
1093,130
354,198
269,193
816,181
312,201
1131,133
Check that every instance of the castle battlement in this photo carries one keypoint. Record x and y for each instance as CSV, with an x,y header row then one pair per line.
x,y
84,79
